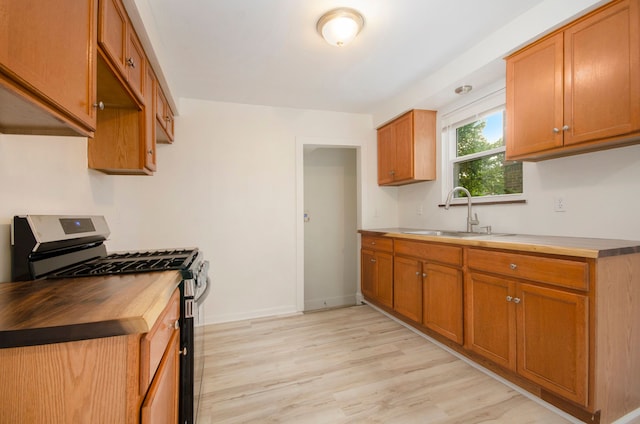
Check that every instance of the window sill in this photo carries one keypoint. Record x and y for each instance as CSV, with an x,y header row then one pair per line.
x,y
463,202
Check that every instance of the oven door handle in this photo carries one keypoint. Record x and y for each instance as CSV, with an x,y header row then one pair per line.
x,y
201,296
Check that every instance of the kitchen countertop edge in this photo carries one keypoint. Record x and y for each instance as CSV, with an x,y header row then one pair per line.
x,y
128,311
557,245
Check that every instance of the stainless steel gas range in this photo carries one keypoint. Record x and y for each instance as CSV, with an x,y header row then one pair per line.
x,y
54,246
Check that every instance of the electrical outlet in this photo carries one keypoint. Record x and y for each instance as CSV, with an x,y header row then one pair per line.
x,y
559,204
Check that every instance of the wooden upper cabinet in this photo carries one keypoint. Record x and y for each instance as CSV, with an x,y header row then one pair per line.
x,y
118,40
150,87
47,67
577,89
164,118
407,149
122,140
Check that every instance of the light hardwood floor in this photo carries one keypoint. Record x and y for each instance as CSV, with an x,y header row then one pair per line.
x,y
351,365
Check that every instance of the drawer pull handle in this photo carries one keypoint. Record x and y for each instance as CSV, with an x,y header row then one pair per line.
x,y
509,298
516,300
513,266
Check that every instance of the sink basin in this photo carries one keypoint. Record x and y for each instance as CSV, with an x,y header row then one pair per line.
x,y
450,233
444,233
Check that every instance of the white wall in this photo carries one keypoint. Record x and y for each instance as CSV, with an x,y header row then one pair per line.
x,y
600,190
227,185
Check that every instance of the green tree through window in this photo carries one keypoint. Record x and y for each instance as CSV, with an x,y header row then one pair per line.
x,y
489,174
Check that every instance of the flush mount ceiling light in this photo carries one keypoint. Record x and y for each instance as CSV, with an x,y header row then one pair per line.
x,y
464,89
340,26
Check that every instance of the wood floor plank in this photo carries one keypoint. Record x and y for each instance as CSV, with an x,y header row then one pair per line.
x,y
350,365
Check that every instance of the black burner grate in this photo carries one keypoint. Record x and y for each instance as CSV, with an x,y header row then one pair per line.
x,y
131,262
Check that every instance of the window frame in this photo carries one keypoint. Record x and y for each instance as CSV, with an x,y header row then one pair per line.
x,y
463,113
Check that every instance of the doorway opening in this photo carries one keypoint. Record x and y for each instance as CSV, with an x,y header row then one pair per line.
x,y
330,227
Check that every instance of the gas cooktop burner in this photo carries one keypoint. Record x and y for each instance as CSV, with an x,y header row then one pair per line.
x,y
131,262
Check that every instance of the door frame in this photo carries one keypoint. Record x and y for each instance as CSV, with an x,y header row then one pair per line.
x,y
324,142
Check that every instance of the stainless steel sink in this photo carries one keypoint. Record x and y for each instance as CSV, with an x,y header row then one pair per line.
x,y
450,233
444,233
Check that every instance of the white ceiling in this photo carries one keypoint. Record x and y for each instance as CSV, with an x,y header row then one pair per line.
x,y
267,52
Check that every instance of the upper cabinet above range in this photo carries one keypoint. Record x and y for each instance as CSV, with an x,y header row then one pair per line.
x,y
48,67
578,88
119,41
407,149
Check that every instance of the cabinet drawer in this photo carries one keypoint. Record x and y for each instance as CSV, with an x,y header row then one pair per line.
x,y
377,243
560,272
430,251
154,343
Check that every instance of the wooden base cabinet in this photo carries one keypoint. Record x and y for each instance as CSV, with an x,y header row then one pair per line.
x,y
428,286
123,379
538,332
407,288
577,89
377,270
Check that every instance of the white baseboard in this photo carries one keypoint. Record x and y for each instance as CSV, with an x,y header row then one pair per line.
x,y
331,302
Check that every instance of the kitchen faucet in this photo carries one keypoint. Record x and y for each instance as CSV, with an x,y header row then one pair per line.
x,y
470,222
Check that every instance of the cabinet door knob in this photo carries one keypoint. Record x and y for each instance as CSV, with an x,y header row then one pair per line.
x,y
183,352
513,266
424,274
418,273
565,128
150,152
176,325
509,298
516,300
99,105
556,130
392,172
130,62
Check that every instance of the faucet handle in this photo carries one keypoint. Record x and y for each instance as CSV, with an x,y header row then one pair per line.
x,y
487,229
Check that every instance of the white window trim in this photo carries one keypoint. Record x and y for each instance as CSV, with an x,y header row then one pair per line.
x,y
462,113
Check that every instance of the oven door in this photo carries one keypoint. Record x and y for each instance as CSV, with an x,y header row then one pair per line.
x,y
199,353
194,292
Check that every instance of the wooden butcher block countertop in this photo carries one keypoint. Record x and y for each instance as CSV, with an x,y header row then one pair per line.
x,y
52,311
569,246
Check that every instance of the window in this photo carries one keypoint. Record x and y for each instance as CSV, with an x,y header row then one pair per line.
x,y
475,152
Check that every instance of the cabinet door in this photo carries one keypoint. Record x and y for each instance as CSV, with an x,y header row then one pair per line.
x,y
112,32
384,280
535,98
407,288
386,154
490,326
377,276
49,47
442,300
368,274
150,118
404,159
136,63
553,340
160,406
602,75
